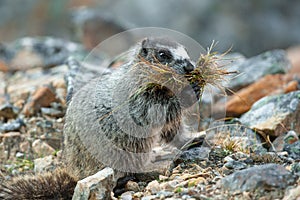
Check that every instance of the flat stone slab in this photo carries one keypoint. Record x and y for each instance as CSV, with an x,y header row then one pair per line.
x,y
265,177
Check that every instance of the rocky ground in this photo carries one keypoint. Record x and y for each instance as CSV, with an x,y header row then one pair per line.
x,y
254,154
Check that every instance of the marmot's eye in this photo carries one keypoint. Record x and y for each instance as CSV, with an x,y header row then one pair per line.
x,y
164,56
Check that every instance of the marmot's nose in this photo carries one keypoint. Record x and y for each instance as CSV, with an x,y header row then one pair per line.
x,y
188,66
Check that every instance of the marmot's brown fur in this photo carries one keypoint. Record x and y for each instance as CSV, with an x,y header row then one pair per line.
x,y
116,119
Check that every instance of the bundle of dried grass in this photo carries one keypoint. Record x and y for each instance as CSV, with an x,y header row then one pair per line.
x,y
209,71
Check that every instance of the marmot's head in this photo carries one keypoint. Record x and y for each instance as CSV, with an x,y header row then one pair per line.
x,y
166,52
162,51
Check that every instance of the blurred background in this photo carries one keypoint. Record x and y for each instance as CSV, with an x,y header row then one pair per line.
x,y
250,27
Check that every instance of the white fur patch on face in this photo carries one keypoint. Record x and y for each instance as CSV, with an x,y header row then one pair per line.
x,y
181,51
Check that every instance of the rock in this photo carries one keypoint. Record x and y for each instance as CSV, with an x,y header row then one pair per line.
x,y
164,194
44,164
268,157
42,148
150,197
265,177
296,168
293,54
132,186
274,115
162,177
24,83
292,194
25,147
252,69
153,187
10,141
292,86
25,59
236,165
3,66
127,195
42,97
242,101
11,126
52,112
284,139
8,111
9,135
98,186
195,181
170,185
5,56
293,150
193,155
239,157
20,155
44,52
138,195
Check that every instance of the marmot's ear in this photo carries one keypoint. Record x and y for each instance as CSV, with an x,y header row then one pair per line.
x,y
145,42
144,49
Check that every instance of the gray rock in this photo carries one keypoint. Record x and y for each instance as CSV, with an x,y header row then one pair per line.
x,y
9,141
250,70
193,155
127,195
98,186
44,52
293,193
296,168
284,140
11,126
265,177
42,148
53,51
150,197
275,114
44,164
236,165
153,187
293,150
20,155
163,194
52,112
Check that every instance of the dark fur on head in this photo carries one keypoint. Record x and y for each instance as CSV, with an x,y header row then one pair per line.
x,y
166,52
